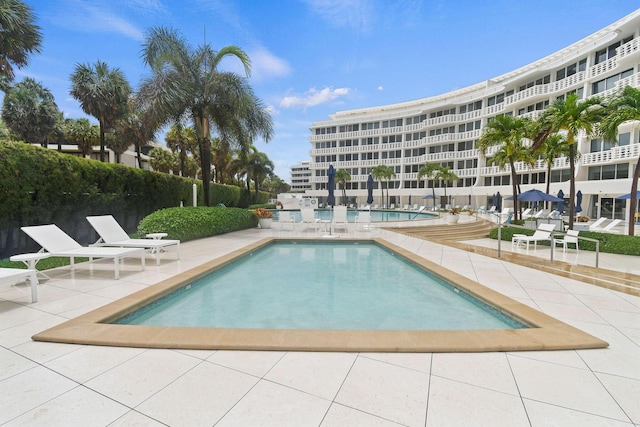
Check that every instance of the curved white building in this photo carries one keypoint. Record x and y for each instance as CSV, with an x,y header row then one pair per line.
x,y
444,129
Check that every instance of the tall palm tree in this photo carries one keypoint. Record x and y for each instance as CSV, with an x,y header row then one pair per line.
x,y
181,140
137,127
258,168
30,111
20,38
446,175
342,176
428,173
624,107
162,160
570,116
103,93
554,147
508,132
388,174
186,82
379,173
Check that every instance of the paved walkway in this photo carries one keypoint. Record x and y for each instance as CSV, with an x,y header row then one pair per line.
x,y
63,384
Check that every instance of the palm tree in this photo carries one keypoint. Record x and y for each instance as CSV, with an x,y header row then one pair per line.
x,y
258,168
388,174
162,160
379,173
508,132
20,38
570,116
342,176
554,147
82,133
446,175
103,93
30,111
624,107
138,127
187,82
181,140
427,172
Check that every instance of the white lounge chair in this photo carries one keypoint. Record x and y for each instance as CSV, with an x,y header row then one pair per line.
x,y
309,217
58,243
415,207
525,213
542,233
571,238
597,226
340,218
363,221
11,276
539,214
609,228
284,217
112,234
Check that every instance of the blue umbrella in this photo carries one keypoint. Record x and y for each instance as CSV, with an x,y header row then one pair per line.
x,y
535,196
579,201
628,196
331,174
560,207
370,189
498,201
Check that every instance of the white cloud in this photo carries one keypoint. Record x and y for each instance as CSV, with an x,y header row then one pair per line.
x,y
86,17
356,14
380,87
264,65
313,97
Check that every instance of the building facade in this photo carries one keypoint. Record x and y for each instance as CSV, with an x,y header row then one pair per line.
x,y
445,130
301,177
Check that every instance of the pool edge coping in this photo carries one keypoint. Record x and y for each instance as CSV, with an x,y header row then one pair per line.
x,y
546,333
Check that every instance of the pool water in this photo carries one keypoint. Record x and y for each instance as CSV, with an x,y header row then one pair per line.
x,y
317,285
376,216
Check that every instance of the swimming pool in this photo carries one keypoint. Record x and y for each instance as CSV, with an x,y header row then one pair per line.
x,y
97,328
376,215
311,285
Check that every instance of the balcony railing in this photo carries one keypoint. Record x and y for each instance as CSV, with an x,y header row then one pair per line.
x,y
625,152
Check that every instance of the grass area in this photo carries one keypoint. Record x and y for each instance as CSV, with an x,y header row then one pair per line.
x,y
44,264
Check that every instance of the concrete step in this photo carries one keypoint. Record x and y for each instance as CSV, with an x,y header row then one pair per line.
x,y
461,231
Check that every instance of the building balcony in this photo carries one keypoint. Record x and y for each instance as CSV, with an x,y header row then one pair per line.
x,y
615,155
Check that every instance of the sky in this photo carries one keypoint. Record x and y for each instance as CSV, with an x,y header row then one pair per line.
x,y
313,58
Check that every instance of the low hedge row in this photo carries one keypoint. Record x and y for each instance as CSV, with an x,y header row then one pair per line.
x,y
609,243
191,223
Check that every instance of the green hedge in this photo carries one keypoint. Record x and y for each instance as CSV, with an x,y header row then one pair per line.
x,y
42,186
190,223
609,243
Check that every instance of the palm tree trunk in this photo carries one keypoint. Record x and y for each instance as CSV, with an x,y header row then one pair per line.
x,y
572,184
634,198
139,157
101,141
514,186
546,204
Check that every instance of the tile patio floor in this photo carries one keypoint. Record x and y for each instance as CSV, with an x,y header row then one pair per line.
x,y
71,385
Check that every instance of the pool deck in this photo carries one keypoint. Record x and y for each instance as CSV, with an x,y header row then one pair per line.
x,y
66,384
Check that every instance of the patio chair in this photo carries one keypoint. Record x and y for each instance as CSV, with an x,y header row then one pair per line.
x,y
11,276
539,214
525,213
58,243
571,238
542,233
415,207
284,217
406,207
363,221
597,226
309,218
112,234
340,218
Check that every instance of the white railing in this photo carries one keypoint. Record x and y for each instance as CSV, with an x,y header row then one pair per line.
x,y
616,153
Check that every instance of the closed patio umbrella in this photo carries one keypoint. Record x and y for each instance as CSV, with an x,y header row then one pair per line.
x,y
331,174
579,201
498,201
560,207
370,189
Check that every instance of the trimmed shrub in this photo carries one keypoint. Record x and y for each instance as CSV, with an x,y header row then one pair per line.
x,y
190,223
609,243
